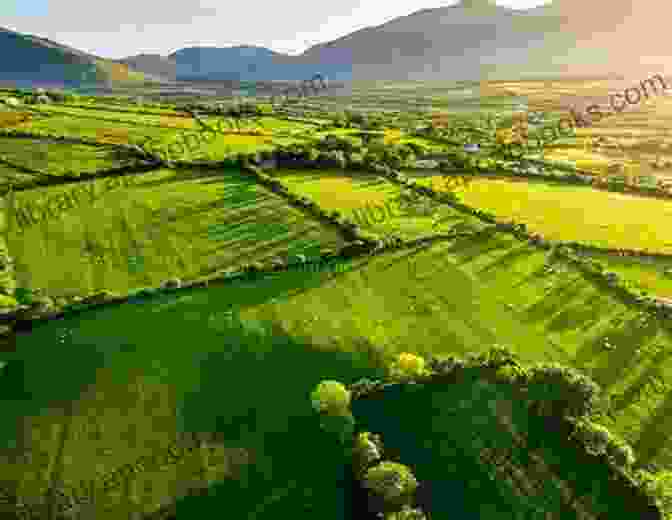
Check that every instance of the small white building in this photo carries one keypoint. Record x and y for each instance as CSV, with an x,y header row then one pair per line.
x,y
427,164
471,147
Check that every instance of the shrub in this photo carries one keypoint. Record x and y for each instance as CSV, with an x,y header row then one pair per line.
x,y
172,283
408,366
7,301
507,374
367,450
331,397
565,390
393,482
23,296
660,486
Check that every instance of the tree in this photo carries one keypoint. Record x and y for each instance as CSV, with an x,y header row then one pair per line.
x,y
331,398
393,482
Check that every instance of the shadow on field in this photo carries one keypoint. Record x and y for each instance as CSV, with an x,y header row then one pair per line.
x,y
633,393
508,259
654,435
616,364
255,393
582,315
554,300
438,433
249,382
469,248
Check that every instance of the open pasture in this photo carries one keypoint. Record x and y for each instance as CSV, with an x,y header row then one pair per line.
x,y
102,131
165,120
575,213
354,194
650,274
57,158
168,224
139,389
468,296
12,177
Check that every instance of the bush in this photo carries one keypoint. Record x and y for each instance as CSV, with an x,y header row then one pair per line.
x,y
565,390
408,366
659,485
332,398
621,453
367,450
393,482
7,301
23,296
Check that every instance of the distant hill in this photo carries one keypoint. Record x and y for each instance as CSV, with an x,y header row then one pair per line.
x,y
234,63
473,40
27,61
153,64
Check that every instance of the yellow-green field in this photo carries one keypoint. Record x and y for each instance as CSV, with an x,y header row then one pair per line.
x,y
648,274
574,213
351,193
103,131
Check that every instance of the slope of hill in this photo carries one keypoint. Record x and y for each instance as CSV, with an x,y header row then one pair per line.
x,y
153,64
473,40
28,60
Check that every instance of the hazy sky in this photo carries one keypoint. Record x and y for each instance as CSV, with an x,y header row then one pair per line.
x,y
119,28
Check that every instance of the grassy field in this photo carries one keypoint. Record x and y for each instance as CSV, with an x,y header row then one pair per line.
x,y
135,392
574,213
103,131
163,120
11,176
56,158
141,374
471,296
351,193
648,274
454,301
168,224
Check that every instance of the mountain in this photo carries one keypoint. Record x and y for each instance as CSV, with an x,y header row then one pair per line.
x,y
27,61
153,64
473,40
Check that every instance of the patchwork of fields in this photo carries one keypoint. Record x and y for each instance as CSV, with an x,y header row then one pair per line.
x,y
235,362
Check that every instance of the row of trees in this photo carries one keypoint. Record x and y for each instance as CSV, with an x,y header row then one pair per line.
x,y
341,152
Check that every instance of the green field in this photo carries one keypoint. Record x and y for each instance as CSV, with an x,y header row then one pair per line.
x,y
56,158
163,226
235,362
